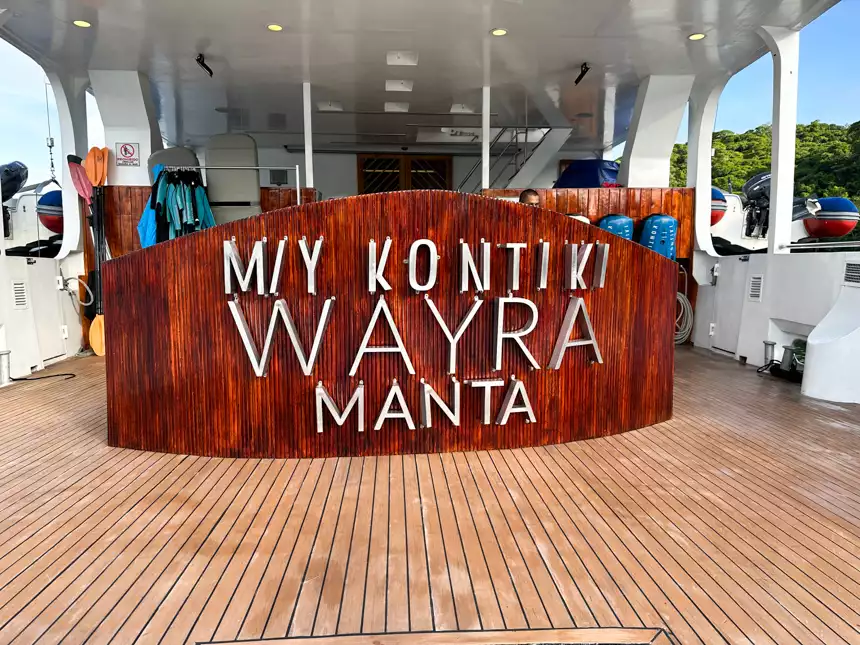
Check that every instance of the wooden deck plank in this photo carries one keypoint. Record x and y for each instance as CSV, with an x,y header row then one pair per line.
x,y
482,584
321,516
785,601
397,616
729,523
75,591
544,570
107,590
225,618
788,566
334,576
441,590
342,507
352,604
462,583
132,612
420,607
510,605
376,575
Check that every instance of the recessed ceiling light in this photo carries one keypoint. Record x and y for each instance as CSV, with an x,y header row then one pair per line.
x,y
398,86
82,23
274,27
393,106
499,31
696,36
401,58
329,106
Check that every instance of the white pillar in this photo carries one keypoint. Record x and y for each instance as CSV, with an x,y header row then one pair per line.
x,y
309,135
485,138
657,115
129,117
70,95
703,114
609,119
784,44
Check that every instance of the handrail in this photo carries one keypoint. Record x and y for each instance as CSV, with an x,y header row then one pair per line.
x,y
478,162
821,245
514,140
294,169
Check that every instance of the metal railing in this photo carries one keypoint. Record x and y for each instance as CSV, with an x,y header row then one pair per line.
x,y
507,157
821,245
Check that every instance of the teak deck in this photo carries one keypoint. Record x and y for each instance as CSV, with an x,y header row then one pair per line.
x,y
737,521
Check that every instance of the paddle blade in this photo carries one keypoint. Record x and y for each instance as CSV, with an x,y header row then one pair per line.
x,y
97,335
103,169
91,165
80,180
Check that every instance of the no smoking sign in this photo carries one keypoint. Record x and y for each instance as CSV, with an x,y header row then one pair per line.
x,y
127,154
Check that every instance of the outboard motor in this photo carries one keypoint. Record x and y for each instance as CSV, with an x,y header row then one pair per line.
x,y
755,195
12,177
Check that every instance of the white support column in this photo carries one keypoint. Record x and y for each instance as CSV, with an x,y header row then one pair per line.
x,y
309,135
703,114
129,116
70,95
609,94
657,115
485,138
784,44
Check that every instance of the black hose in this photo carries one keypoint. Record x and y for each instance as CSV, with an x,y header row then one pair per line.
x,y
39,378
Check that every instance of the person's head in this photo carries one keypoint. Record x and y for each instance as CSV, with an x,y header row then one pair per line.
x,y
530,197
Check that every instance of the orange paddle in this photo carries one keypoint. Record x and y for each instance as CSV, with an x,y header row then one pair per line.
x,y
91,165
104,159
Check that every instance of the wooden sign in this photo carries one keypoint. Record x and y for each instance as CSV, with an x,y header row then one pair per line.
x,y
406,322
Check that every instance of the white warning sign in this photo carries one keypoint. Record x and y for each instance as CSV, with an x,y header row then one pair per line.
x,y
127,154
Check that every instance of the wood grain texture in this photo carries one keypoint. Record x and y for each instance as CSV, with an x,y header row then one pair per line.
x,y
636,203
272,198
179,379
732,523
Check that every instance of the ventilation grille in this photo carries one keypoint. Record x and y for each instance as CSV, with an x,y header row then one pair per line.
x,y
852,274
20,298
756,283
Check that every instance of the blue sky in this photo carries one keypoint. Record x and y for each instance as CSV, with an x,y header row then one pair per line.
x,y
829,82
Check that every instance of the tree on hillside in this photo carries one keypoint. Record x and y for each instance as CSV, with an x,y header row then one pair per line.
x,y
827,159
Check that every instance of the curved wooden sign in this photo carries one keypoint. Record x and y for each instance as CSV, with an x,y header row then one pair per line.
x,y
385,324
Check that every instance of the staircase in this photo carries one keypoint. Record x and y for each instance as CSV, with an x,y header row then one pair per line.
x,y
514,148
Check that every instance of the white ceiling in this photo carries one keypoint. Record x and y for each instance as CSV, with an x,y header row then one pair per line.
x,y
341,47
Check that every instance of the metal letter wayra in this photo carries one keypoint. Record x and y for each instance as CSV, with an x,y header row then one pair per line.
x,y
280,309
500,335
454,338
364,348
576,310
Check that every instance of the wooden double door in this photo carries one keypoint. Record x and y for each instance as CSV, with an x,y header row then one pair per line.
x,y
382,173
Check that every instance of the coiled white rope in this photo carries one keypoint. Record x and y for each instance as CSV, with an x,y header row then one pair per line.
x,y
684,320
